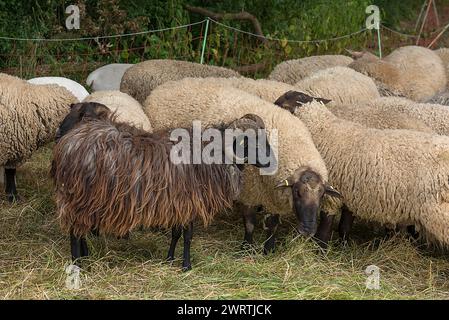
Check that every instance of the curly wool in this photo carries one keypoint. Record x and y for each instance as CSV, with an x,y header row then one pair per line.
x,y
178,103
74,87
342,85
368,109
414,72
293,71
339,84
139,80
443,53
389,176
29,117
267,90
126,108
102,160
440,98
397,113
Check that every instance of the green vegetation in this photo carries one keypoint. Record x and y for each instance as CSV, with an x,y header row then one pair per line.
x,y
285,19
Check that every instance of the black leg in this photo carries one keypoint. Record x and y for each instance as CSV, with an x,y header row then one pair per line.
x,y
75,246
84,249
324,231
345,225
187,235
124,237
10,184
95,232
175,235
271,224
249,221
411,231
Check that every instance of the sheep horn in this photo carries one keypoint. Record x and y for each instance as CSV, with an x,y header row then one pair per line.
x,y
331,191
285,183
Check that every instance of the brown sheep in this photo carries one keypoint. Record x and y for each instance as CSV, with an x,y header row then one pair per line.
x,y
112,177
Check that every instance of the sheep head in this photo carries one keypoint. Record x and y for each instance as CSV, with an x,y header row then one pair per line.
x,y
291,100
308,189
79,112
362,55
251,127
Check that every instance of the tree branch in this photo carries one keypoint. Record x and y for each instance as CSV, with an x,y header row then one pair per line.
x,y
243,15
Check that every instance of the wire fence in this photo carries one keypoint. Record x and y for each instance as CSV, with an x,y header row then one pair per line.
x,y
223,45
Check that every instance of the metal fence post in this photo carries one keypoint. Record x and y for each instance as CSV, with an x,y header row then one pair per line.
x,y
204,41
379,41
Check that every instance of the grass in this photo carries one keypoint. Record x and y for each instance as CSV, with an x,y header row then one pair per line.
x,y
34,255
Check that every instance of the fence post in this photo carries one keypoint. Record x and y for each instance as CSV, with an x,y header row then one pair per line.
x,y
204,40
379,41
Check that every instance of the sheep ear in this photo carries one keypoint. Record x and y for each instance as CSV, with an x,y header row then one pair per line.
x,y
101,111
331,191
285,183
355,54
322,100
258,120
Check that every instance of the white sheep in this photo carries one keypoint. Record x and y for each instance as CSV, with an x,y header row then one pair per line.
x,y
107,77
396,113
29,117
126,108
139,80
178,103
292,71
394,177
342,85
443,53
414,72
74,87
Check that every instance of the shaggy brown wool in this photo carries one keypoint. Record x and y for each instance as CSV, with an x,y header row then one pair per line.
x,y
113,177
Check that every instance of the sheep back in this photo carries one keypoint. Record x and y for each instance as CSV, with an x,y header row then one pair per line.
x,y
29,116
140,79
292,71
342,85
401,113
414,72
373,115
126,107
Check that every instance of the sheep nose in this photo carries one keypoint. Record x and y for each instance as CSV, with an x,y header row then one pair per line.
x,y
305,230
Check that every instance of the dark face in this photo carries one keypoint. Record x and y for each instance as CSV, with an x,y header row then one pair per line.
x,y
307,194
291,100
308,190
265,156
79,112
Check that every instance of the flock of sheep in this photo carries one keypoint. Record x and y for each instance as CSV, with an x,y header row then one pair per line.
x,y
356,136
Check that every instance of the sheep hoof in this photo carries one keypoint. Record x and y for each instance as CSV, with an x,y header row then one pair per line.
x,y
267,249
246,246
322,244
344,242
186,268
13,198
